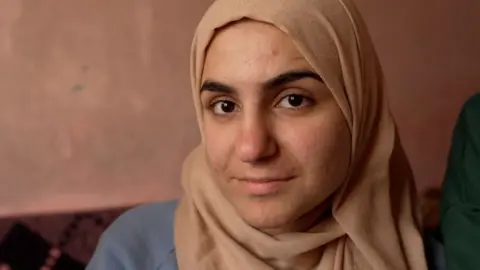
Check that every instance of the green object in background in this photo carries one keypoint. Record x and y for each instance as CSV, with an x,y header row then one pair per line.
x,y
460,210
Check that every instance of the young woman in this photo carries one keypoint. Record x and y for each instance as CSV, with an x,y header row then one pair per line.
x,y
300,165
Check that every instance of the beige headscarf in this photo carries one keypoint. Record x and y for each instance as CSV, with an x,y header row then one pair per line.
x,y
374,222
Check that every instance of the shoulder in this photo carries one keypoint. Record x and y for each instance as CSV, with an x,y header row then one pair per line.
x,y
474,100
471,108
141,238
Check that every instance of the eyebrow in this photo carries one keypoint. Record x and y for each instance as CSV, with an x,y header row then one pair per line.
x,y
275,82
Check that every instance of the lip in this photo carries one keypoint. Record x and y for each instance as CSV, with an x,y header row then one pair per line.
x,y
263,186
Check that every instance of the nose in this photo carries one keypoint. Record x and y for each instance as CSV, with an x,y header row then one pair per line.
x,y
255,142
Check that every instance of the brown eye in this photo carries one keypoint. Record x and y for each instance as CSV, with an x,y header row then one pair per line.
x,y
224,107
293,101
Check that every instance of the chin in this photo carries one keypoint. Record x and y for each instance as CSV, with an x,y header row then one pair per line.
x,y
266,214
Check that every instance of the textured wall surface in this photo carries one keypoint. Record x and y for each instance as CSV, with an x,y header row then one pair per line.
x,y
430,53
95,107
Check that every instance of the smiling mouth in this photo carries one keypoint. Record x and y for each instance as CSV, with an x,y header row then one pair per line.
x,y
262,186
265,179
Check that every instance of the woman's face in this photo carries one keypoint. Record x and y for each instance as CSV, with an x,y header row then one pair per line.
x,y
276,140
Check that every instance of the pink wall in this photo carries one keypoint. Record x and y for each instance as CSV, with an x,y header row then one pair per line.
x,y
430,52
95,106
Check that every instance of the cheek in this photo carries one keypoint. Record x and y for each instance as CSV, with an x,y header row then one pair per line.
x,y
218,145
321,147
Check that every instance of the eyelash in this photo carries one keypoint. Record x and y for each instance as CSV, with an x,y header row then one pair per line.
x,y
217,101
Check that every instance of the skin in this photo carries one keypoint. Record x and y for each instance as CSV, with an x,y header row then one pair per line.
x,y
269,118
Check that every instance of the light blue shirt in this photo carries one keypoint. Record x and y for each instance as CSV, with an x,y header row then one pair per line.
x,y
142,239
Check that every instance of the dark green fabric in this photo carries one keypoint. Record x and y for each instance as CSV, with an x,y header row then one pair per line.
x,y
460,216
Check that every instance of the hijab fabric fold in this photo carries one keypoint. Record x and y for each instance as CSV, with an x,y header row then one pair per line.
x,y
374,222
